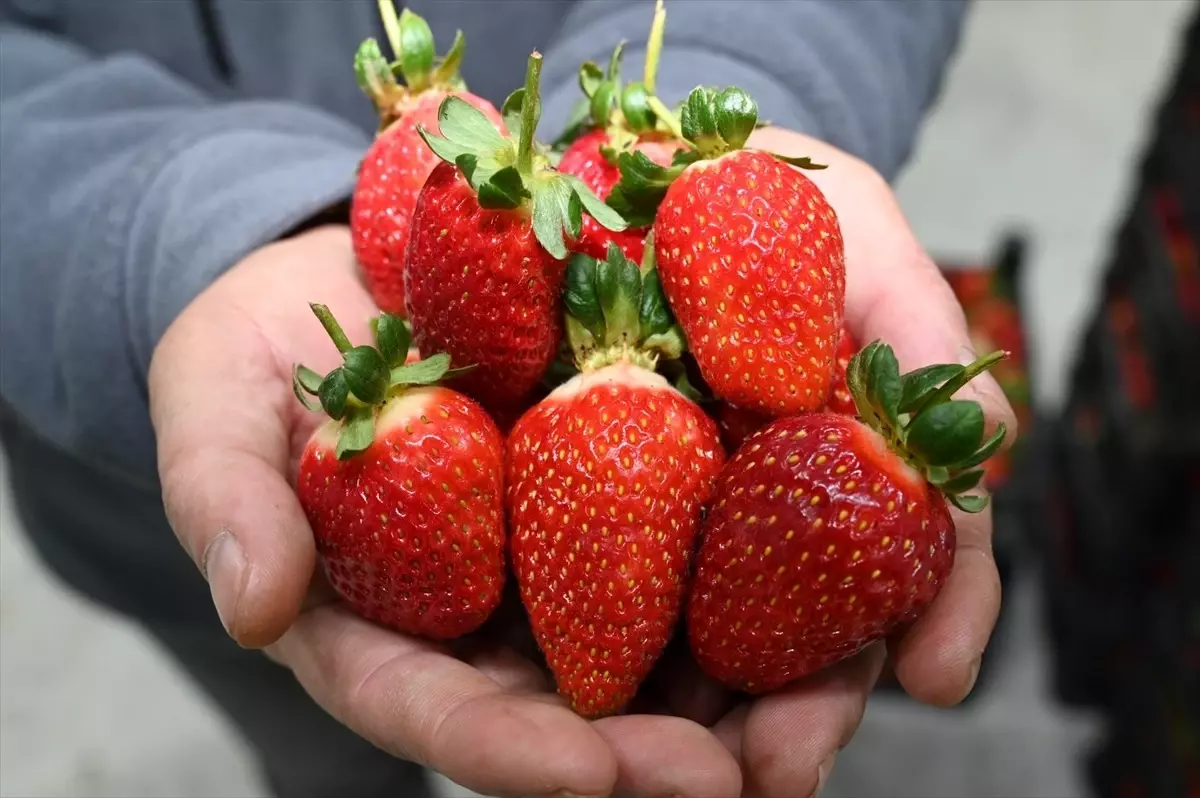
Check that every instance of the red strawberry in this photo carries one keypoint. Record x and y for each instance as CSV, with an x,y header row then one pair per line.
x,y
586,160
485,262
397,163
751,258
606,480
826,533
737,424
403,488
629,119
840,400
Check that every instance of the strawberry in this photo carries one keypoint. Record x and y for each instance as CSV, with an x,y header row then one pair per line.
x,y
397,163
606,479
828,532
629,119
403,487
840,399
486,259
750,254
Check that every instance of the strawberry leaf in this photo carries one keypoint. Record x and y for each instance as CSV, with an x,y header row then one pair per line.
x,y
334,393
960,482
552,214
446,72
635,107
504,190
801,162
655,316
604,215
423,372
358,433
580,294
590,78
373,72
989,448
642,187
467,127
946,434
920,383
619,289
969,503
952,386
416,50
392,338
366,374
307,380
698,119
883,384
735,114
580,338
511,111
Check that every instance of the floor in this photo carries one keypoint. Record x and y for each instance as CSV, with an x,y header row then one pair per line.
x,y
1043,110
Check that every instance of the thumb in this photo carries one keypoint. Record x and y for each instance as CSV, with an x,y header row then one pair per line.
x,y
913,309
221,411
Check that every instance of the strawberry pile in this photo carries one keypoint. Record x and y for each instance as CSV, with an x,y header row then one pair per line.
x,y
624,382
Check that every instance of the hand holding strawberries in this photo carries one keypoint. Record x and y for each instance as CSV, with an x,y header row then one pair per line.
x,y
631,540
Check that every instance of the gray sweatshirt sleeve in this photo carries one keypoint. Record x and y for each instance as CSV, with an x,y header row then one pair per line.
x,y
856,73
125,192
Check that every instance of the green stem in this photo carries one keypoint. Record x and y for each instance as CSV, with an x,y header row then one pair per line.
x,y
530,111
391,26
664,113
332,327
654,46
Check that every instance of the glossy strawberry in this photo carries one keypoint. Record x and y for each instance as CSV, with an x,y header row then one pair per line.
x,y
486,261
620,119
826,533
403,488
606,480
840,400
751,258
397,163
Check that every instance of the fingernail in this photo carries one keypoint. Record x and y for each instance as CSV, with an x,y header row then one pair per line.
x,y
973,677
225,569
823,774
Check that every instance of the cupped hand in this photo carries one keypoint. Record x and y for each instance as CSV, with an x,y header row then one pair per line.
x,y
786,741
230,433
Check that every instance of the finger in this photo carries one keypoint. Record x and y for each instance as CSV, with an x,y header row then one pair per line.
x,y
412,700
791,737
660,755
223,449
937,661
226,420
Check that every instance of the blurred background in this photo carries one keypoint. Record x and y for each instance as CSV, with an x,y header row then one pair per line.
x,y
1058,182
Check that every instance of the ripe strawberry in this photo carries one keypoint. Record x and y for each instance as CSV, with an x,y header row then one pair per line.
x,y
403,487
629,119
486,258
826,532
751,258
606,479
397,163
840,400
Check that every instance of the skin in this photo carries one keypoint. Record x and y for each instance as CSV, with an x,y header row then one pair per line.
x,y
490,720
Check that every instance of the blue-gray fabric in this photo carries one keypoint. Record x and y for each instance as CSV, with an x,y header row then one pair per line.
x,y
147,145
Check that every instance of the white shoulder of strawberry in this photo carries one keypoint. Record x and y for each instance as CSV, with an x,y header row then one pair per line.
x,y
513,173
942,438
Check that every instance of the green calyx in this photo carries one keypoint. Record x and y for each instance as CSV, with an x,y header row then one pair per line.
x,y
714,122
616,312
513,173
940,437
354,392
415,63
628,111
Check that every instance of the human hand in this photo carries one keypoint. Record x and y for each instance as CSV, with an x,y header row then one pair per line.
x,y
786,741
230,433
